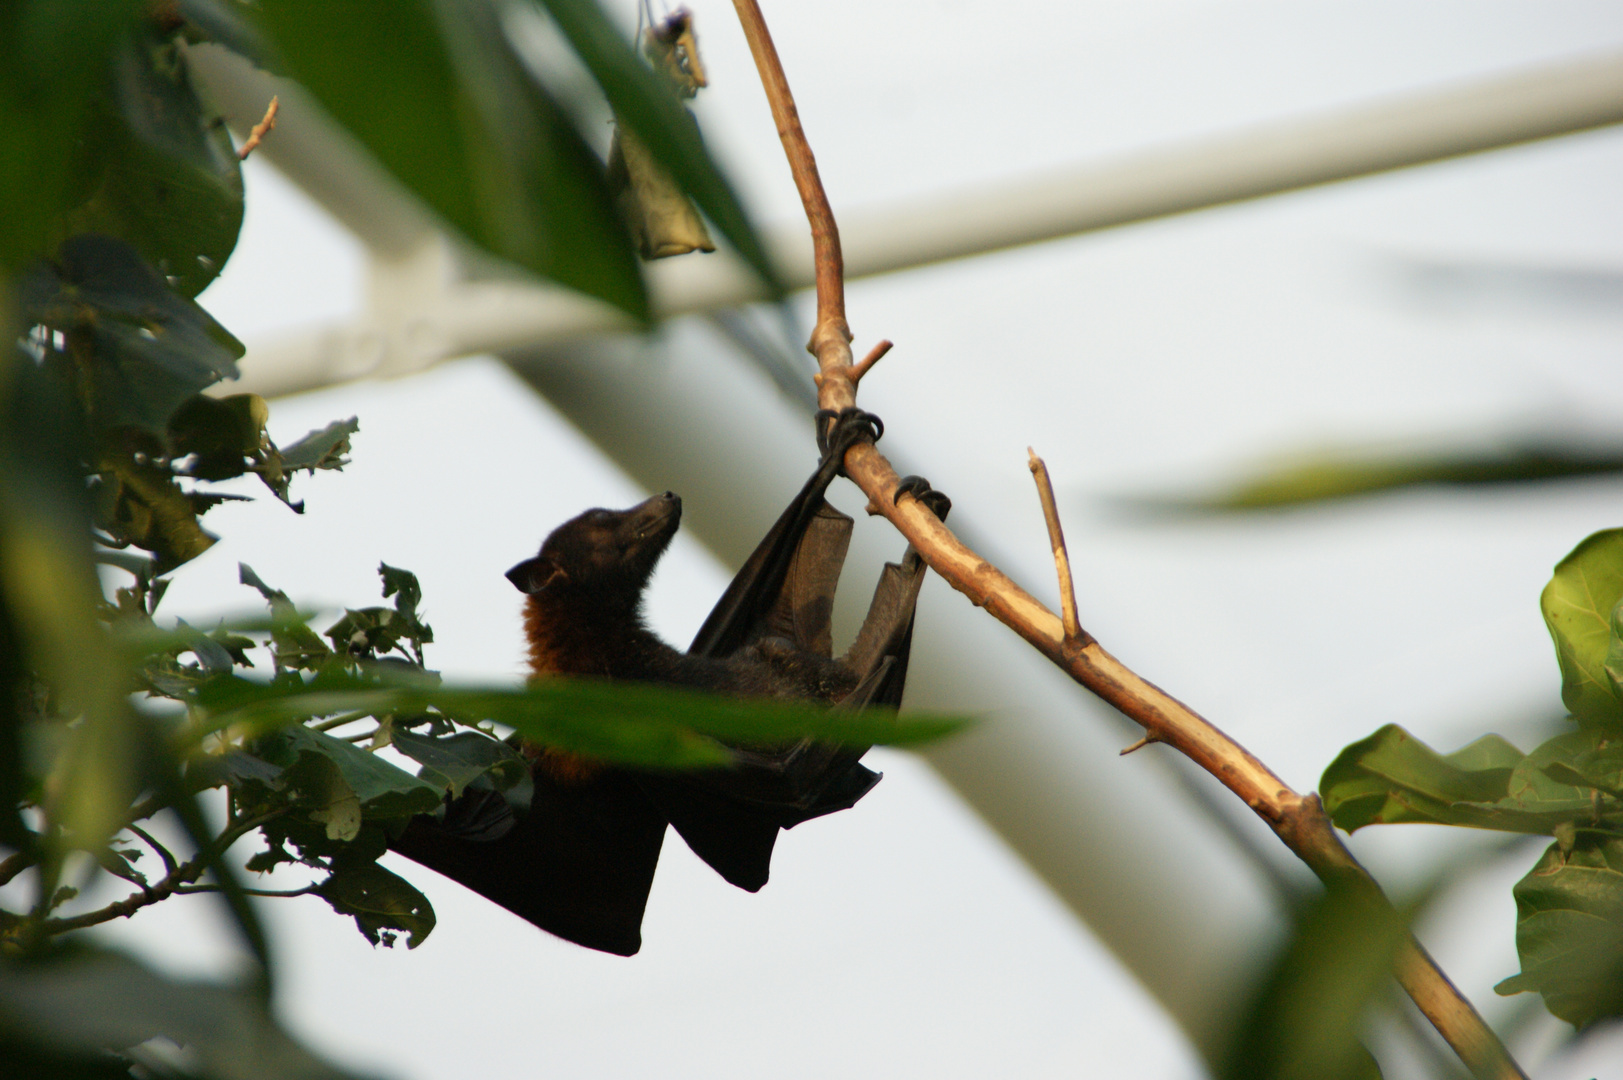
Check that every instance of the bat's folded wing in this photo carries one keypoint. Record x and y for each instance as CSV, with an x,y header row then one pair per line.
x,y
578,864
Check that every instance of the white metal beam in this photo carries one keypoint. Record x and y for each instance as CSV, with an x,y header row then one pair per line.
x,y
445,315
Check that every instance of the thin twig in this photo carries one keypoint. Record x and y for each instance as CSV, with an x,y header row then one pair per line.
x,y
1075,636
875,354
1299,821
169,863
186,874
257,133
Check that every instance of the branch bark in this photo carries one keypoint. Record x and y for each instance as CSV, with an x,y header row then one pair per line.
x,y
1299,820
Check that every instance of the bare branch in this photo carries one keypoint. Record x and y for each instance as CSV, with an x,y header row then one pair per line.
x,y
1299,821
831,338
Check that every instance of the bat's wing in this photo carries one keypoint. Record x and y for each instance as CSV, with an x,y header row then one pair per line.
x,y
731,817
578,864
786,587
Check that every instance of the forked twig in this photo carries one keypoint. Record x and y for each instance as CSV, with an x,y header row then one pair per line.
x,y
1298,820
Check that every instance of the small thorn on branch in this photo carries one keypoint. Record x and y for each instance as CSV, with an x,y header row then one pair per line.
x,y
257,134
1074,634
874,356
1139,745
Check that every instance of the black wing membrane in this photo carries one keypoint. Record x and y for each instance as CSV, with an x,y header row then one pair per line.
x,y
579,863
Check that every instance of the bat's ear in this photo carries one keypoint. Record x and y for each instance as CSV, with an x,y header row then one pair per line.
x,y
533,575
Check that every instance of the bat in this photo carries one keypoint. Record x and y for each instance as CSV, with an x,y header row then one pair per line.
x,y
579,860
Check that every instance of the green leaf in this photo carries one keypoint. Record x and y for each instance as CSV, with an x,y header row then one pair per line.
x,y
1306,1015
1534,790
1569,929
648,106
296,646
171,183
224,435
323,449
446,106
358,785
80,1004
1578,604
136,349
383,903
140,503
454,761
1393,777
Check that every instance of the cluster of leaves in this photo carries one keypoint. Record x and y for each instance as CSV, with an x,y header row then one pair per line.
x,y
124,200
1569,927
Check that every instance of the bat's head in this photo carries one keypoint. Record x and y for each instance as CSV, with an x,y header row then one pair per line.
x,y
605,556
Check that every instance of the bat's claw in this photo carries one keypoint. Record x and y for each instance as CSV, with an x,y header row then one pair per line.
x,y
838,432
919,488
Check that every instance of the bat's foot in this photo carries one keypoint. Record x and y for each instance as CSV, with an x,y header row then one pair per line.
x,y
838,432
919,488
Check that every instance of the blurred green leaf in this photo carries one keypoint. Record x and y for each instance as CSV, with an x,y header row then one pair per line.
x,y
1578,607
54,64
383,903
83,1002
648,106
49,592
1315,478
1305,1019
137,350
629,723
446,106
171,183
452,762
1569,928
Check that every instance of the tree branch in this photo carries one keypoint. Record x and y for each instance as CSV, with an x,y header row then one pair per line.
x,y
1299,821
176,881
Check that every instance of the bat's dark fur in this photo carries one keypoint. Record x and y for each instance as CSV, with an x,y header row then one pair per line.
x,y
580,862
